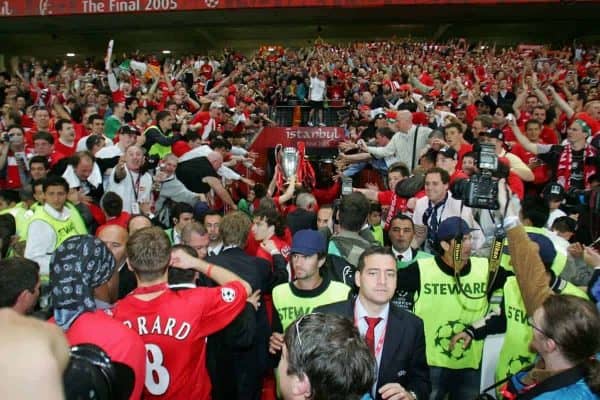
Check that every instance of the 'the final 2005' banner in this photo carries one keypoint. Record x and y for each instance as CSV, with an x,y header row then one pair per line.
x,y
21,8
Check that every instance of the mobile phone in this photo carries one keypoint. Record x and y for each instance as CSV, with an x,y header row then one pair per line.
x,y
596,244
346,186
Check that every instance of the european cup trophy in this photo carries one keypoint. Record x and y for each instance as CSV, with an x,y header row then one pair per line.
x,y
288,160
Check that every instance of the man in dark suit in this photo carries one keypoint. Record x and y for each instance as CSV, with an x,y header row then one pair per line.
x,y
395,336
237,371
303,217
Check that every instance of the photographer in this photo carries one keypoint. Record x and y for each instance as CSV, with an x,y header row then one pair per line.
x,y
13,164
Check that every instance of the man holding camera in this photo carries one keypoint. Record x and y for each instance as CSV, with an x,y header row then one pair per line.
x,y
13,164
436,206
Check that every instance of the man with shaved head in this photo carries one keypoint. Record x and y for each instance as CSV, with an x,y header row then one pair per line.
x,y
406,144
199,175
115,238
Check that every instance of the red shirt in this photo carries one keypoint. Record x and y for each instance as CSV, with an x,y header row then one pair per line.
x,y
282,246
464,149
549,135
457,174
122,220
62,148
542,173
174,327
121,344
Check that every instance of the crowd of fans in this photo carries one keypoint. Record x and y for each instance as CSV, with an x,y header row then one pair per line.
x,y
134,218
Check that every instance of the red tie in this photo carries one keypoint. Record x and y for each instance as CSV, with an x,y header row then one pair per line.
x,y
370,336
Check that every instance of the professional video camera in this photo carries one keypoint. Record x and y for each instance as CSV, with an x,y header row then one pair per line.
x,y
481,189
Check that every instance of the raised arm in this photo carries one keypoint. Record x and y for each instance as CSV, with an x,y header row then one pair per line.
x,y
222,276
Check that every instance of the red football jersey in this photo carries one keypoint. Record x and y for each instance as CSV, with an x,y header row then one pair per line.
x,y
174,327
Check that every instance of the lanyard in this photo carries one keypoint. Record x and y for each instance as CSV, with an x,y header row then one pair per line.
x,y
135,186
379,345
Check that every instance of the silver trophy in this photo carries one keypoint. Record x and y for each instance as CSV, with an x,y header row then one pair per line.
x,y
289,159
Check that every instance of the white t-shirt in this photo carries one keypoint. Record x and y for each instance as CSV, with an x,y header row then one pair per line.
x,y
131,185
553,215
82,143
317,89
109,152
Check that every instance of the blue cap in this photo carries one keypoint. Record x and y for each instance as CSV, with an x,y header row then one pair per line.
x,y
453,227
547,250
308,242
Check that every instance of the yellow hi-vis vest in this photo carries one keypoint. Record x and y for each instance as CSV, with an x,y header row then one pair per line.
x,y
446,311
515,354
290,306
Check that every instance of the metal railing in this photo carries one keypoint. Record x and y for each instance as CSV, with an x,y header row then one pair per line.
x,y
284,115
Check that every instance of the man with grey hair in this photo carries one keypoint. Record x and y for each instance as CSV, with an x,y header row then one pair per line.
x,y
305,215
406,144
171,187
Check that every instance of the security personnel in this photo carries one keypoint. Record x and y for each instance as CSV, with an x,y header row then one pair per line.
x,y
534,214
52,223
515,353
159,137
452,292
309,289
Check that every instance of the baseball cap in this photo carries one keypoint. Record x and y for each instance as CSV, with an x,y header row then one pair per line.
x,y
459,107
448,152
128,130
494,133
546,247
553,190
308,242
453,227
405,87
215,104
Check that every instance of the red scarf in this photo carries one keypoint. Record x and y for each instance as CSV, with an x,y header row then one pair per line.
x,y
398,204
563,173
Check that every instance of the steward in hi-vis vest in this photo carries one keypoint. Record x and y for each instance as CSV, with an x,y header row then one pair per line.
x,y
452,292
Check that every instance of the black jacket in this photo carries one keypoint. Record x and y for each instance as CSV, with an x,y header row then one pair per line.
x,y
237,365
403,358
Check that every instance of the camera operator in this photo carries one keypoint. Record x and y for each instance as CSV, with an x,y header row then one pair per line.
x,y
438,205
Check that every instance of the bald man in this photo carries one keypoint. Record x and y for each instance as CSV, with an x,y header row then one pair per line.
x,y
205,168
115,238
406,144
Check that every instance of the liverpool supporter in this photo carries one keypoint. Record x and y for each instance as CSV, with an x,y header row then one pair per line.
x,y
78,295
13,161
174,325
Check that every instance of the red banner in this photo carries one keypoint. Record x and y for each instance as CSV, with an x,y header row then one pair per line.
x,y
20,8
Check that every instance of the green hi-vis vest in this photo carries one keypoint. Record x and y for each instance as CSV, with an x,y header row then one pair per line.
x,y
289,306
420,255
560,261
73,226
22,217
515,353
158,148
446,311
377,231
